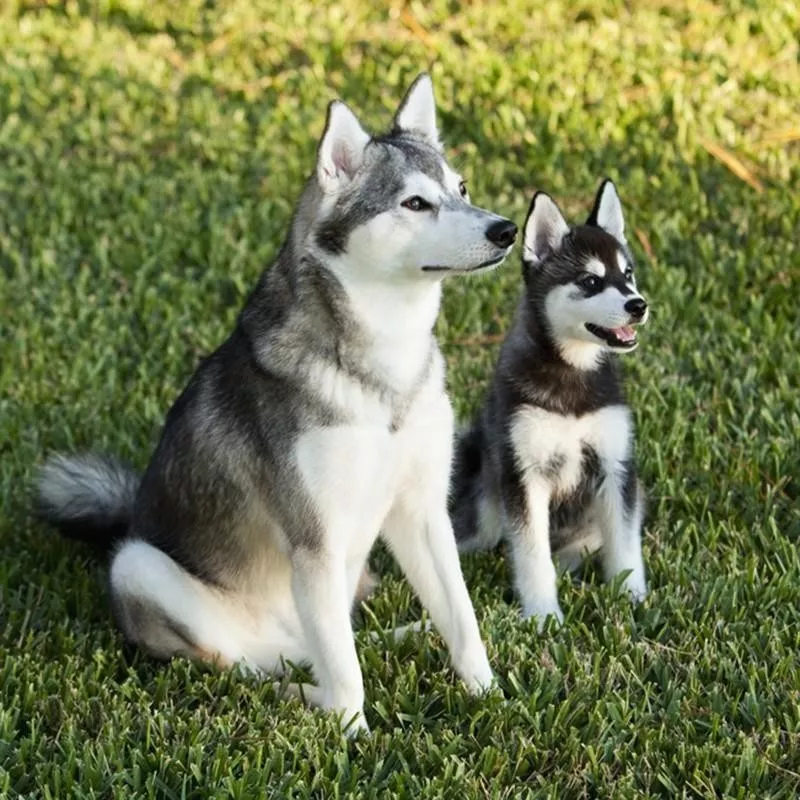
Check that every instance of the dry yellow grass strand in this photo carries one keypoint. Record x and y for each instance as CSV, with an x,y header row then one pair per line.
x,y
413,24
780,137
644,240
733,163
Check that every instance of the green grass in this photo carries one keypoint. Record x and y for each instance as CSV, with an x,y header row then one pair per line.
x,y
149,161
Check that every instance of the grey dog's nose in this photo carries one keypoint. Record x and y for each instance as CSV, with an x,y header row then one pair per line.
x,y
502,233
636,307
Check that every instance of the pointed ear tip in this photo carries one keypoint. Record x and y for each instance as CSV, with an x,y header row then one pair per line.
x,y
548,214
607,185
333,109
338,107
531,207
540,198
343,118
422,82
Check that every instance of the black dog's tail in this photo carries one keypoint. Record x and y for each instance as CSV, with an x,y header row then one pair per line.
x,y
87,497
465,485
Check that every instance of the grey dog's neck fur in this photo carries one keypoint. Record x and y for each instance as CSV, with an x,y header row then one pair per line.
x,y
291,284
300,314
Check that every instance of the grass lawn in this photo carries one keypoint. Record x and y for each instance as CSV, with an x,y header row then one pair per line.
x,y
149,162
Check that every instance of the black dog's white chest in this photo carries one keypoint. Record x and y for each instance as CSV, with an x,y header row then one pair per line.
x,y
561,451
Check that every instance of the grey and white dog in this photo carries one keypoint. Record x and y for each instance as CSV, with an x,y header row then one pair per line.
x,y
549,464
321,422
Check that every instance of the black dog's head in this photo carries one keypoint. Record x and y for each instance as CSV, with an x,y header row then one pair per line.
x,y
580,280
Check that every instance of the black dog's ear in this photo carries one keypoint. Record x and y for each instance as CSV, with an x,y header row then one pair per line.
x,y
545,227
607,211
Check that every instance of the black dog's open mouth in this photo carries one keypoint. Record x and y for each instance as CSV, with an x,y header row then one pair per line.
x,y
623,337
492,262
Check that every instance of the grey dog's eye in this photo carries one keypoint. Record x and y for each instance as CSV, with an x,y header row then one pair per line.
x,y
416,203
462,187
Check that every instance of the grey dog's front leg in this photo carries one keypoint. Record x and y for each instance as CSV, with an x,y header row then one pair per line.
x,y
425,549
319,585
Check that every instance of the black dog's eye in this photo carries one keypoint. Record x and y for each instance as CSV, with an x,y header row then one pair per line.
x,y
628,274
416,203
590,283
462,187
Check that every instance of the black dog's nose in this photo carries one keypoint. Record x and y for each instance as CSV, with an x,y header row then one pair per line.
x,y
636,307
502,233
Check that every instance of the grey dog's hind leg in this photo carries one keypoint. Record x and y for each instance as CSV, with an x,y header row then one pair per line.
x,y
168,612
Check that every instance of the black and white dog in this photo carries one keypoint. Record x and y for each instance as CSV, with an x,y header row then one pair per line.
x,y
549,464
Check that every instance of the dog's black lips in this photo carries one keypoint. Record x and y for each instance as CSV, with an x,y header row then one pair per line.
x,y
490,263
609,337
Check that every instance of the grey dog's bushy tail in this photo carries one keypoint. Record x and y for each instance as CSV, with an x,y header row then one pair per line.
x,y
87,497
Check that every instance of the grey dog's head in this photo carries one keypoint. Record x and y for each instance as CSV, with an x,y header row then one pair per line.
x,y
390,207
580,281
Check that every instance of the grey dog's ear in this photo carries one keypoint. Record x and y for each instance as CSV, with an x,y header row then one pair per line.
x,y
607,211
545,227
417,112
341,150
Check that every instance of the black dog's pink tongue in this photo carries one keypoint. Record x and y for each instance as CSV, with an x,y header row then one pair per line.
x,y
624,333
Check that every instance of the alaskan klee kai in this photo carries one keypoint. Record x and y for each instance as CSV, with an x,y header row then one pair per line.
x,y
549,464
319,423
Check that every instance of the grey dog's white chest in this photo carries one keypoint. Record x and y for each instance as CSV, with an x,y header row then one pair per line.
x,y
552,446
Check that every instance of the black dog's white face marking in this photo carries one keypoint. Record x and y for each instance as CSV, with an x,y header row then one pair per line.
x,y
583,278
599,304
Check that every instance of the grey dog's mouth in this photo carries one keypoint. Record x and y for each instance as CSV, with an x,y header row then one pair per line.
x,y
492,262
622,338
